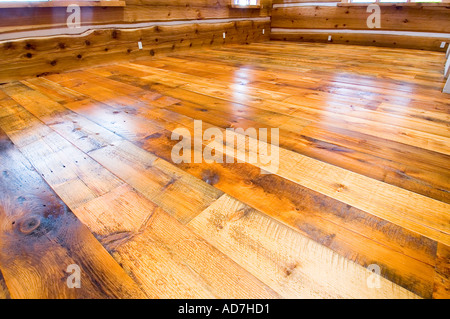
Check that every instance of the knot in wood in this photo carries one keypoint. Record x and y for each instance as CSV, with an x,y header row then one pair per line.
x,y
30,224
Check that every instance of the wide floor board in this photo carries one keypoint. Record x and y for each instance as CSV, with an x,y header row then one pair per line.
x,y
362,183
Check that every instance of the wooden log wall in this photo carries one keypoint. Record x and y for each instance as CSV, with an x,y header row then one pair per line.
x,y
112,33
412,26
42,56
135,11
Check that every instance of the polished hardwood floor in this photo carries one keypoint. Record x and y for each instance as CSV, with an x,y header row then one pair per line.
x,y
363,178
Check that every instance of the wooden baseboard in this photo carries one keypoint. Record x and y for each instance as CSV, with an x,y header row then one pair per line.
x,y
425,42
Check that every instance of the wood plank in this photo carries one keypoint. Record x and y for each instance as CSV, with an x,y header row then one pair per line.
x,y
314,70
366,126
168,259
41,237
292,265
66,167
427,181
311,88
123,116
423,286
51,154
135,11
149,176
412,211
405,195
238,188
352,233
178,272
265,78
408,221
442,277
124,200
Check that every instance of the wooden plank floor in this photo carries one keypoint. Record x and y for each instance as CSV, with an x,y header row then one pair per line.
x,y
364,177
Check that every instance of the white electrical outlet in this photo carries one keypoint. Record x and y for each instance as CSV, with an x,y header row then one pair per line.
x,y
140,45
443,45
224,35
264,31
329,38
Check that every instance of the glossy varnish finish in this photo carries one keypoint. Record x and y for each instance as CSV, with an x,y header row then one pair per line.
x,y
363,178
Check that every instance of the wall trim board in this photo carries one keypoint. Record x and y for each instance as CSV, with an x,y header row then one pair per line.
x,y
306,4
350,31
398,4
85,30
392,39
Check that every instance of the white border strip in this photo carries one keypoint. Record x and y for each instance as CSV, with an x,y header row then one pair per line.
x,y
306,4
447,68
447,86
407,33
66,31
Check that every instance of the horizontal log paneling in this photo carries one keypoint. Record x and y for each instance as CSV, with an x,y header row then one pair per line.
x,y
36,40
291,23
392,18
21,19
61,3
34,57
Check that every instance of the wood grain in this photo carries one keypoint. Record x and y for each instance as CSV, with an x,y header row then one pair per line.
x,y
321,219
159,252
282,258
120,220
43,55
442,277
411,17
363,175
392,18
4,293
167,259
135,11
214,175
40,238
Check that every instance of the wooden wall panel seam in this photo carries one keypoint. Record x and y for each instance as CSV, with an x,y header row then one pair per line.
x,y
353,31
